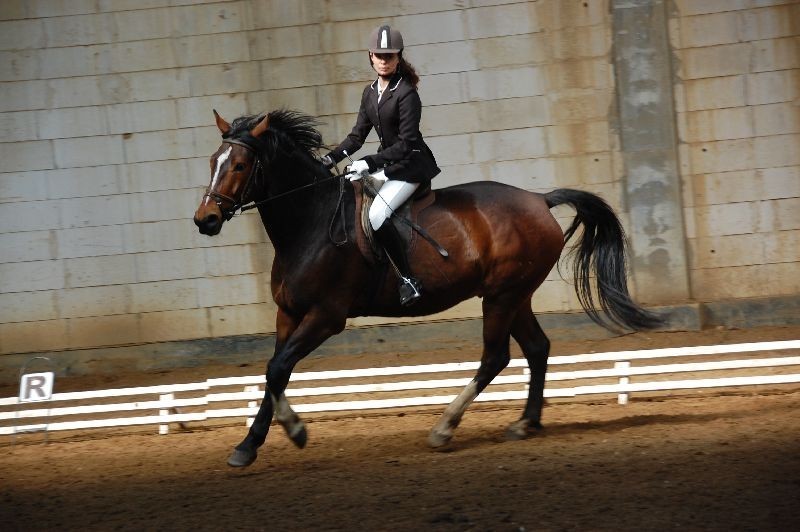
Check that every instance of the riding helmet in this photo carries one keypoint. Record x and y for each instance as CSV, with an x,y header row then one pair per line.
x,y
385,40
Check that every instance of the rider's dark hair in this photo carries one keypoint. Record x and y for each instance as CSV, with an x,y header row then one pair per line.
x,y
408,71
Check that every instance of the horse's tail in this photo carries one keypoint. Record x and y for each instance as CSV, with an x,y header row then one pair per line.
x,y
601,250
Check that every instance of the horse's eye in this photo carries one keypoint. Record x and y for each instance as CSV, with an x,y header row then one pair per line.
x,y
239,167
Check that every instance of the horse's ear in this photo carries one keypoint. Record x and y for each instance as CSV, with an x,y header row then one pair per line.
x,y
261,127
223,126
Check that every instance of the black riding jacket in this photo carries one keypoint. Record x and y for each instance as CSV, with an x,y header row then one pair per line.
x,y
402,154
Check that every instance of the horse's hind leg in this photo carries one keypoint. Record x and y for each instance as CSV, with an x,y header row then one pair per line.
x,y
496,326
536,348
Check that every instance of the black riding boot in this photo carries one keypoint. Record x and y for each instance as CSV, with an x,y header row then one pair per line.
x,y
410,288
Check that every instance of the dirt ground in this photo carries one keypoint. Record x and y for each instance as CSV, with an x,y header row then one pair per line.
x,y
719,460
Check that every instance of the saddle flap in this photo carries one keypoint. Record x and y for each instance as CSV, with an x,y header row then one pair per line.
x,y
364,190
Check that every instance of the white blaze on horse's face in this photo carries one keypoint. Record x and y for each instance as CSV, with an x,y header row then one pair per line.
x,y
220,161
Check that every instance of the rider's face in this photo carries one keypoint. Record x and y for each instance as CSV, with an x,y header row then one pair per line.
x,y
385,64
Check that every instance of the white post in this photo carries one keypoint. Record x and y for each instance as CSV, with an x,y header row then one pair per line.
x,y
251,404
164,429
623,365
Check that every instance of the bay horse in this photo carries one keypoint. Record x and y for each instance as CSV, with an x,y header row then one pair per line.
x,y
502,243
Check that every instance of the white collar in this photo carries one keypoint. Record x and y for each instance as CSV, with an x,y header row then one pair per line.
x,y
376,84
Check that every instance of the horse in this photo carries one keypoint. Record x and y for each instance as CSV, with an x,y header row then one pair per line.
x,y
501,243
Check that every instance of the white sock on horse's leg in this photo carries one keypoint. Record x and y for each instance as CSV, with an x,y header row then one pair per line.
x,y
443,430
287,417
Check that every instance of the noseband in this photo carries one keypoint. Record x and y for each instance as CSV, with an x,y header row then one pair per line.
x,y
250,144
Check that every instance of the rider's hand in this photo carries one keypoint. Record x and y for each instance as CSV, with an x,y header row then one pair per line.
x,y
360,167
327,161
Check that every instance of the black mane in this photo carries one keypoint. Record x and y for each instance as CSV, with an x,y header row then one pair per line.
x,y
287,125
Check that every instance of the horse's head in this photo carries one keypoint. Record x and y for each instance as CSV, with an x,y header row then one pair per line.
x,y
282,144
234,168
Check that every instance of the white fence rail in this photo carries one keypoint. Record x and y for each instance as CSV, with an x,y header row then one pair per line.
x,y
207,400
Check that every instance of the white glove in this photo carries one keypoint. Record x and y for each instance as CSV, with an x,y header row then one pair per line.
x,y
360,167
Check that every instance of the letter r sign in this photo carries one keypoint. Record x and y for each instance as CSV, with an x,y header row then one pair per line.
x,y
36,387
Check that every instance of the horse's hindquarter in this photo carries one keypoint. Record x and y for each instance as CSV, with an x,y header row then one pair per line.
x,y
499,237
500,240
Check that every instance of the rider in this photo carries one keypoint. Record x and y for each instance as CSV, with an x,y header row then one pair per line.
x,y
392,106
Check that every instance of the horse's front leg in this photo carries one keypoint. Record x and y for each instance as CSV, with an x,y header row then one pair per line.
x,y
296,338
294,426
245,453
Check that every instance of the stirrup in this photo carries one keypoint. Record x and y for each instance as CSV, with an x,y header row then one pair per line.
x,y
410,291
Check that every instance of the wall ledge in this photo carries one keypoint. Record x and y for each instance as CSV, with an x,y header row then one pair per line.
x,y
402,338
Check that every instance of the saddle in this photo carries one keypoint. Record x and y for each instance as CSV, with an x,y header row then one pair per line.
x,y
364,190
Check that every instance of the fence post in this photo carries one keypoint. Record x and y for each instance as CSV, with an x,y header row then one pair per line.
x,y
623,365
251,404
164,429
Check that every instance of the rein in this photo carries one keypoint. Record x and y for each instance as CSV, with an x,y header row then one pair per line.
x,y
254,204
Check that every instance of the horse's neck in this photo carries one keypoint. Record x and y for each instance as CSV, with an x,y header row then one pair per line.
x,y
300,219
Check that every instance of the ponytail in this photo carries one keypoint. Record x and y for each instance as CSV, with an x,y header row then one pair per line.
x,y
407,70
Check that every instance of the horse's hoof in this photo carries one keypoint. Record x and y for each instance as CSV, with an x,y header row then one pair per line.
x,y
515,434
522,429
241,458
300,436
438,439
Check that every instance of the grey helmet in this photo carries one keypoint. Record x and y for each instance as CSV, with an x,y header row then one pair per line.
x,y
385,40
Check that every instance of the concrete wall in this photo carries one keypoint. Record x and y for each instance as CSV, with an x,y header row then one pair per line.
x,y
106,132
737,93
106,127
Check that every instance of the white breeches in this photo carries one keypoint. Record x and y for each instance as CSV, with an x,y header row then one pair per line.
x,y
390,197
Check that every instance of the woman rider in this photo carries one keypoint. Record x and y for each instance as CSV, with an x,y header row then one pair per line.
x,y
404,162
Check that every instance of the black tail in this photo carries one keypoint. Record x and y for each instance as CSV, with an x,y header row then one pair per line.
x,y
602,251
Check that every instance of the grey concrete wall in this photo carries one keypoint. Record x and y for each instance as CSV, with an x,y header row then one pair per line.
x,y
737,67
106,127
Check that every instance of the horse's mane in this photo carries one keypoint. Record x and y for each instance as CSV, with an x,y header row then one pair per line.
x,y
298,128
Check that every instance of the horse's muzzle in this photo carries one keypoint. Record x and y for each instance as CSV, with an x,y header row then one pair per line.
x,y
210,224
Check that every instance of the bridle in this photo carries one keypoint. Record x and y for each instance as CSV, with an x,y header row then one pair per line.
x,y
252,144
236,205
